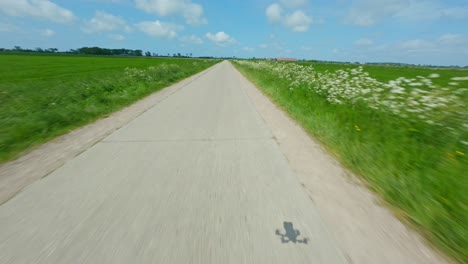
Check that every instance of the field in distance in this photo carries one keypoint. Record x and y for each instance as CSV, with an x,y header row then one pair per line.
x,y
42,97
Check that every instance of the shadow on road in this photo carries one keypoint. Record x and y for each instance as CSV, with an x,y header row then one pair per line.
x,y
291,234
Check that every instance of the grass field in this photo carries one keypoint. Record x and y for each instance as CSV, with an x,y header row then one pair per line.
x,y
387,73
404,130
42,97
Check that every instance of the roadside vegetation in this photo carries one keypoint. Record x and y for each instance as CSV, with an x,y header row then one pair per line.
x,y
42,97
404,130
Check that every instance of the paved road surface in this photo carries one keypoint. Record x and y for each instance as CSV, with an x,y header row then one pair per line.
x,y
198,178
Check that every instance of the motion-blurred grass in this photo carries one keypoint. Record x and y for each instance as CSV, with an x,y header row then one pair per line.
x,y
420,169
387,73
42,97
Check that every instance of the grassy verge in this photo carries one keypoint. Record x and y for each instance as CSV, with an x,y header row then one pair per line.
x,y
42,97
416,166
387,73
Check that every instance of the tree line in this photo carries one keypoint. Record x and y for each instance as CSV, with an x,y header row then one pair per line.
x,y
104,51
82,51
96,51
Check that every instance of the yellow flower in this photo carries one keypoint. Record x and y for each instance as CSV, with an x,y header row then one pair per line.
x,y
357,128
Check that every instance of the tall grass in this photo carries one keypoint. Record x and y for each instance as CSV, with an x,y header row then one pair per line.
x,y
415,160
42,97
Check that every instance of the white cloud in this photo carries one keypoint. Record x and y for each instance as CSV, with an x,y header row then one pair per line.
x,y
117,37
445,43
447,49
161,7
415,44
248,49
102,22
191,39
319,21
272,46
193,13
274,13
368,12
159,29
423,10
8,27
293,3
456,13
453,39
42,9
220,38
419,10
47,32
298,21
364,42
110,1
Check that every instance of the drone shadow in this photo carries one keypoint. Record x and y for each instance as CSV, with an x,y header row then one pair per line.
x,y
290,234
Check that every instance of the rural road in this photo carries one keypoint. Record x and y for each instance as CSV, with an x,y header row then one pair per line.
x,y
209,171
198,178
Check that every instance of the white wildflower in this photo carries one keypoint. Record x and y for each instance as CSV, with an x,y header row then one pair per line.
x,y
430,122
460,78
427,103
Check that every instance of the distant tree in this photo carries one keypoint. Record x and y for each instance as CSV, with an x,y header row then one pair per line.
x,y
190,54
103,51
138,53
155,55
17,48
39,50
148,54
178,55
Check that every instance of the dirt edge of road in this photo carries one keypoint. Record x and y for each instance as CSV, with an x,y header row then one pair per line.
x,y
366,231
44,159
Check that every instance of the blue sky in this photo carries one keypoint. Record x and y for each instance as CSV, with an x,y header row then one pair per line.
x,y
412,31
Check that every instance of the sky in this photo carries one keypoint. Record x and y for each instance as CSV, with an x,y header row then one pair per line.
x,y
431,32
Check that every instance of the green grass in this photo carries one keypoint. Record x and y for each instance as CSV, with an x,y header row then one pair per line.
x,y
387,73
412,165
42,97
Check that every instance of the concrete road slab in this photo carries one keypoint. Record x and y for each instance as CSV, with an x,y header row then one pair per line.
x,y
213,107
